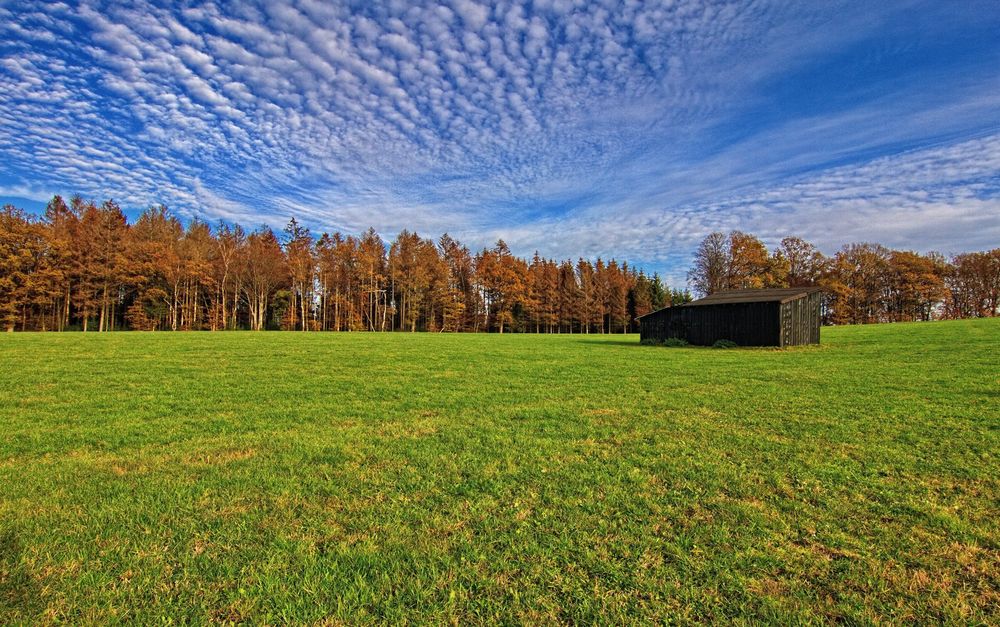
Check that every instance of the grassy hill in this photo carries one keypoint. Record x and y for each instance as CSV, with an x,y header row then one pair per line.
x,y
301,477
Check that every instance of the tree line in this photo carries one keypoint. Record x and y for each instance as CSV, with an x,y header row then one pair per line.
x,y
83,266
862,283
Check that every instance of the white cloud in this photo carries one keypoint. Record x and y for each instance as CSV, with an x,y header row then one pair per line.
x,y
576,128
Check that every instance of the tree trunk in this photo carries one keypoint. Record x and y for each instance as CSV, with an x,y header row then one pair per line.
x,y
65,318
302,306
173,309
104,308
323,304
222,302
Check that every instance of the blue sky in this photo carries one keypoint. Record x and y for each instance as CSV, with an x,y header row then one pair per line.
x,y
627,129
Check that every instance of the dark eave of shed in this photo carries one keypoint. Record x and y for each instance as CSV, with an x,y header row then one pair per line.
x,y
780,295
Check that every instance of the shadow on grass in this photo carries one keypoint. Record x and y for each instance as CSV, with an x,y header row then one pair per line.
x,y
19,598
601,342
698,347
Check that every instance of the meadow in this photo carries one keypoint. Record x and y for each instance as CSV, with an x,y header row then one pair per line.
x,y
361,478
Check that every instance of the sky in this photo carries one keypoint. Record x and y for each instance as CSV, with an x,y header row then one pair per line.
x,y
615,129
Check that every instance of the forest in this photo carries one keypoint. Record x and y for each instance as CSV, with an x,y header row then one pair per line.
x,y
83,266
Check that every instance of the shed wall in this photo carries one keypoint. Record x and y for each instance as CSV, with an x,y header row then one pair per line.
x,y
800,320
747,324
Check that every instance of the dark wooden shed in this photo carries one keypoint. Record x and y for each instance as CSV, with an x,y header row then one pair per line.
x,y
769,317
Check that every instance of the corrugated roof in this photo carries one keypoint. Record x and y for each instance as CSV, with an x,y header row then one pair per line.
x,y
780,295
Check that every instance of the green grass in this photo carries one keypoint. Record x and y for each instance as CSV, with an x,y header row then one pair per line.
x,y
479,478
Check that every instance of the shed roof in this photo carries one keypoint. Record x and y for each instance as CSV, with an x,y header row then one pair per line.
x,y
780,295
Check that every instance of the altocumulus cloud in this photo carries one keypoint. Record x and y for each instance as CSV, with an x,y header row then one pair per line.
x,y
594,128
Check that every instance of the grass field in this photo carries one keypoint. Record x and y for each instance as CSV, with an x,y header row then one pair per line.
x,y
477,478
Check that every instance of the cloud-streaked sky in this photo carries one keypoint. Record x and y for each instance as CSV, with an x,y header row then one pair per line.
x,y
627,129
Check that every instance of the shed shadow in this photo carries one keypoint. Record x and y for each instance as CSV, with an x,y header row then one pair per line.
x,y
599,342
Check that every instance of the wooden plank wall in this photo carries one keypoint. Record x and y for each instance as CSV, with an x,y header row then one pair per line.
x,y
747,324
800,320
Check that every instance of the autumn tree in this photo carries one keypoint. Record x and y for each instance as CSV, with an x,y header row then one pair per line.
x,y
157,267
501,277
804,264
230,242
615,290
589,312
641,296
199,249
342,282
461,299
100,259
749,265
710,273
61,224
22,251
262,272
973,281
301,264
570,298
324,277
736,261
542,298
418,281
858,279
598,305
917,285
371,260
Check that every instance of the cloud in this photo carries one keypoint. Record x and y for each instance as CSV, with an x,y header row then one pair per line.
x,y
614,128
28,192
